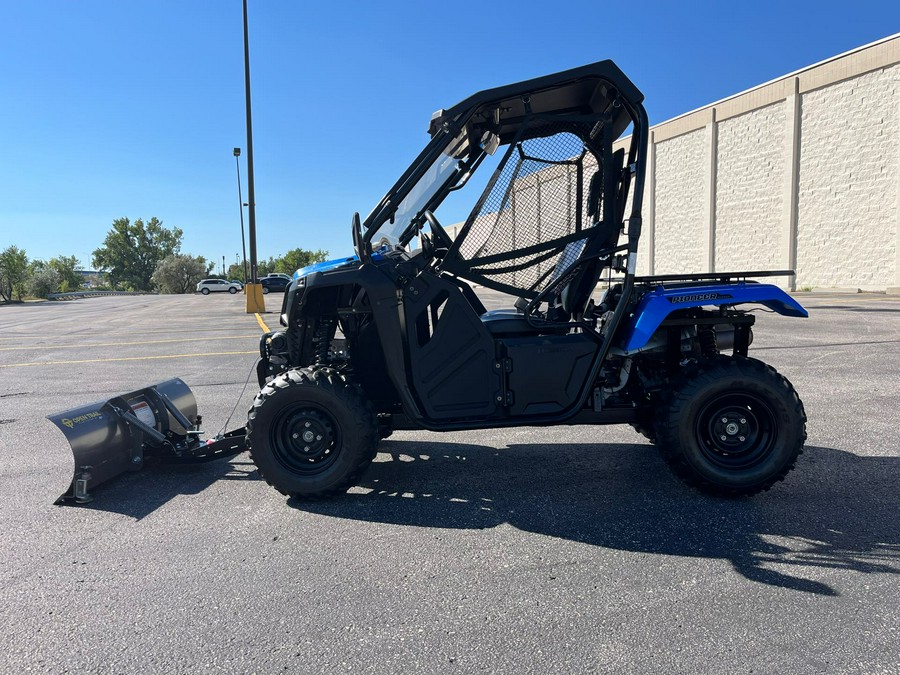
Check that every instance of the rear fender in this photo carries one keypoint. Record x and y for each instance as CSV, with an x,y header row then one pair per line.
x,y
658,303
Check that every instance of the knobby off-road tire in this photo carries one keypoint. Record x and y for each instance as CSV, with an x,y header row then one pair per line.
x,y
731,427
311,433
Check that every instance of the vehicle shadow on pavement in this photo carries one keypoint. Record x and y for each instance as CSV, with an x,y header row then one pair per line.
x,y
836,511
139,494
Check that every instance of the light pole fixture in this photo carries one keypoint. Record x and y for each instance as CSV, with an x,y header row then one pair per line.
x,y
237,165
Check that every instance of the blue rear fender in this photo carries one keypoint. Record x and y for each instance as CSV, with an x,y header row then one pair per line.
x,y
659,302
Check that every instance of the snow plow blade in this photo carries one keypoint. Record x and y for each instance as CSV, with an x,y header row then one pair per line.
x,y
111,437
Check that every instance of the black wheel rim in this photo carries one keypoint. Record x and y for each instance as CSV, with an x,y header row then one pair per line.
x,y
736,430
305,440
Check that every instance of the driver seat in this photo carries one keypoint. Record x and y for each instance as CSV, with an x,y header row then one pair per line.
x,y
512,321
573,297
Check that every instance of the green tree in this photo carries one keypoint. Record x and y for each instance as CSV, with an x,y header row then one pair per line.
x,y
13,273
179,273
291,261
263,267
131,251
44,281
296,258
67,268
236,271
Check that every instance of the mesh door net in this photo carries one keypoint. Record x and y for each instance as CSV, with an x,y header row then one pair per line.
x,y
534,217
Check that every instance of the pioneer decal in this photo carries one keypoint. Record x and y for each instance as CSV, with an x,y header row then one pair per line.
x,y
698,297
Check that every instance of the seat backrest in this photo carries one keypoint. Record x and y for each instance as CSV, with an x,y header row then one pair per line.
x,y
572,296
570,254
575,294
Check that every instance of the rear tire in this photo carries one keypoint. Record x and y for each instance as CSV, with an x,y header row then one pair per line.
x,y
644,425
265,290
311,433
731,427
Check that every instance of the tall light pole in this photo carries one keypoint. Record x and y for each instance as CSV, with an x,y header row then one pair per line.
x,y
237,164
255,302
251,193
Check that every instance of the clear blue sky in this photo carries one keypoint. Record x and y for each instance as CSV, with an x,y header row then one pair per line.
x,y
131,108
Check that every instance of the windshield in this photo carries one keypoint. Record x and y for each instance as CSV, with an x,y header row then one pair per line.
x,y
449,163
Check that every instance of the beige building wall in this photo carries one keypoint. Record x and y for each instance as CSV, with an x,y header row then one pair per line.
x,y
680,201
799,173
751,169
849,150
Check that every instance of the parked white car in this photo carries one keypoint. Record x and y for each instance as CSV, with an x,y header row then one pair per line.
x,y
208,286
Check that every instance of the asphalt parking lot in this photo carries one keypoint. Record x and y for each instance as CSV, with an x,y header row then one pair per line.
x,y
532,550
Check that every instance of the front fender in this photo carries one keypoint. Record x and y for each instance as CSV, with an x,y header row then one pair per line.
x,y
658,303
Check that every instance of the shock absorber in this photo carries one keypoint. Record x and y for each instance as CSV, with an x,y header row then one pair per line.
x,y
707,337
324,331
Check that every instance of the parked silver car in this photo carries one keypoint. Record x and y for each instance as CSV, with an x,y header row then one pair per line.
x,y
208,286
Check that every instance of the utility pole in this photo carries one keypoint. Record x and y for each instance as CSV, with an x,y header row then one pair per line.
x,y
255,301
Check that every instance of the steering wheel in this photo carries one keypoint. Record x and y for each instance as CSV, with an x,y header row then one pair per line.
x,y
442,240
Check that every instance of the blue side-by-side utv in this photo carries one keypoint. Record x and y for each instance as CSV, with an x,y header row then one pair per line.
x,y
395,337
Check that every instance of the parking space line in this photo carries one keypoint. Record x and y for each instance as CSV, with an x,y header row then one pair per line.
x,y
126,344
129,332
262,324
122,358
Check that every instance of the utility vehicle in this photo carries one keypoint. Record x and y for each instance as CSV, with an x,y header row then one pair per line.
x,y
396,337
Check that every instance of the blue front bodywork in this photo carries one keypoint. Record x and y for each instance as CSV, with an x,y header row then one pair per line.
x,y
659,302
337,263
325,266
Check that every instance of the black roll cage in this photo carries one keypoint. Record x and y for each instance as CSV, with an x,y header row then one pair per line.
x,y
553,97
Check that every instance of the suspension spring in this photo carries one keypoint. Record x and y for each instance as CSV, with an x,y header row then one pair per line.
x,y
707,338
322,340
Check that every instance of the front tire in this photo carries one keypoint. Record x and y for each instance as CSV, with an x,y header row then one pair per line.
x,y
731,427
205,291
232,290
265,290
311,433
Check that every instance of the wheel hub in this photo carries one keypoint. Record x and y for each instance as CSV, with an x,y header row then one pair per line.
x,y
732,427
736,430
305,439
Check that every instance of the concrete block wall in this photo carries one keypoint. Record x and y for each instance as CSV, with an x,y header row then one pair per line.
x,y
849,173
799,173
680,202
749,202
